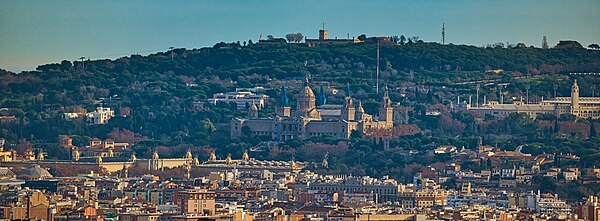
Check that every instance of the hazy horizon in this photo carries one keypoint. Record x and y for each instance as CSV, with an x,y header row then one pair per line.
x,y
40,32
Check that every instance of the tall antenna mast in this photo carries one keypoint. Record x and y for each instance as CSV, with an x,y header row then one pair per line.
x,y
377,78
477,98
82,63
171,48
444,33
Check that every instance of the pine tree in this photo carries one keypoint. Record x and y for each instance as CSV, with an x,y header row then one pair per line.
x,y
592,130
545,43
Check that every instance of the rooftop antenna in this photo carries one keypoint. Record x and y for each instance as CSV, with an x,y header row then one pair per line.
x,y
377,77
444,33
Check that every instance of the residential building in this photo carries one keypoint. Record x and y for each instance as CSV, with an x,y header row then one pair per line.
x,y
196,201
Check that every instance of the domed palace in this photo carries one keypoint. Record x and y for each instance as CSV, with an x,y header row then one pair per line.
x,y
313,117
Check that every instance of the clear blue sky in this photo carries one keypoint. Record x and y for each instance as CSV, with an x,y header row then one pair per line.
x,y
38,32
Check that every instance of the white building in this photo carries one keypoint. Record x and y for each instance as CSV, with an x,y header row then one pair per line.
x,y
100,116
581,107
551,204
71,116
243,99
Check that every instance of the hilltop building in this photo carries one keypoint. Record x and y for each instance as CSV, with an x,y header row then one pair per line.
x,y
581,107
243,99
96,148
309,120
324,40
100,116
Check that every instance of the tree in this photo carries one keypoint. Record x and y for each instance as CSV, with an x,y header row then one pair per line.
x,y
594,46
207,125
23,146
125,136
298,37
545,43
498,45
592,130
362,37
402,39
567,117
290,37
568,44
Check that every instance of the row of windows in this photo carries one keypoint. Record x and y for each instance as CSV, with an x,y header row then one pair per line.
x,y
377,190
201,196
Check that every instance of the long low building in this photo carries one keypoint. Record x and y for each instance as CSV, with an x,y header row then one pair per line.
x,y
580,107
250,164
243,99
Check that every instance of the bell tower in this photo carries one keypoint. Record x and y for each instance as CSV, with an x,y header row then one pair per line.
x,y
253,111
323,33
575,98
348,110
386,111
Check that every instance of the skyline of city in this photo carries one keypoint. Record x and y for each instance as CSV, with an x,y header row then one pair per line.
x,y
300,111
48,32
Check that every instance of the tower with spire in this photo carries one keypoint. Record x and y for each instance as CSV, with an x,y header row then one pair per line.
x,y
360,112
124,171
386,110
283,108
321,98
575,98
253,111
348,110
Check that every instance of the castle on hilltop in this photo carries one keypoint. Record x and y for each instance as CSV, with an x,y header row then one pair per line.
x,y
313,117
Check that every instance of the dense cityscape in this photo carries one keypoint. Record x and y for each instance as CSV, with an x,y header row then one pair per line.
x,y
296,128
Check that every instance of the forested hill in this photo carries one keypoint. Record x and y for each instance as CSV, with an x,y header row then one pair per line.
x,y
431,62
292,60
159,89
